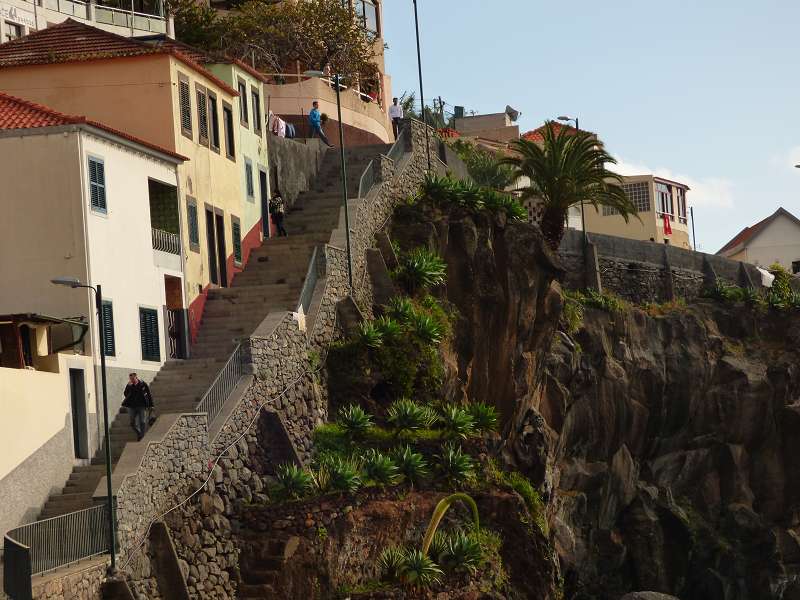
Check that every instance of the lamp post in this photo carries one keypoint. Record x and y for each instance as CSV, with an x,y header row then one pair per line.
x,y
73,283
421,88
337,82
566,119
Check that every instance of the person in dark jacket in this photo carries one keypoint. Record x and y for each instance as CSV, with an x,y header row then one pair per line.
x,y
278,212
138,401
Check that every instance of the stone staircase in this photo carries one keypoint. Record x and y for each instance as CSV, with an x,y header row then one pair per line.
x,y
271,281
261,563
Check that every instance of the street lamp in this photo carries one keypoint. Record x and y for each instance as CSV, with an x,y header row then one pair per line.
x,y
337,80
73,283
566,119
421,88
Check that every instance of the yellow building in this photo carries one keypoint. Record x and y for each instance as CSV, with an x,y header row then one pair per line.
x,y
163,96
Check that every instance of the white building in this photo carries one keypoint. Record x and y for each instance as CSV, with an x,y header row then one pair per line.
x,y
82,200
135,17
776,239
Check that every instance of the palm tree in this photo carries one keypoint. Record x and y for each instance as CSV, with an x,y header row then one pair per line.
x,y
567,168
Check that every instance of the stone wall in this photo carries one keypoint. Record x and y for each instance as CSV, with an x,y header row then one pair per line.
x,y
293,166
643,272
78,584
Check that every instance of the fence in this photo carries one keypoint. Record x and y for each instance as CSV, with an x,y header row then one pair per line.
x,y
367,180
166,241
46,545
223,385
399,148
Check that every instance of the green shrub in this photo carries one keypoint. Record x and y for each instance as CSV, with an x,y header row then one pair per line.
x,y
380,468
455,466
484,415
437,190
533,500
572,313
321,478
782,286
344,475
406,416
369,336
497,202
412,465
438,545
421,269
402,309
427,329
293,481
469,196
463,552
389,329
604,301
354,422
419,570
391,563
456,422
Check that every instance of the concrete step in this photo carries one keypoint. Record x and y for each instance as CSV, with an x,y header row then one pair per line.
x,y
262,591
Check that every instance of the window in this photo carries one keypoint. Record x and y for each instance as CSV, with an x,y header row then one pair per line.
x,y
248,179
682,213
148,329
256,111
236,231
97,184
367,15
13,31
194,227
202,116
796,266
214,121
185,102
109,345
639,195
244,113
664,199
227,122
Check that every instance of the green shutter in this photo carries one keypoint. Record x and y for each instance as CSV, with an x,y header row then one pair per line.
x,y
148,329
97,184
237,241
186,106
194,229
109,345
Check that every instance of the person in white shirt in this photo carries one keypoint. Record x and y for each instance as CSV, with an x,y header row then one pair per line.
x,y
396,115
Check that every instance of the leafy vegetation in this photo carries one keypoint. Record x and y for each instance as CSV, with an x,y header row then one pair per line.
x,y
484,416
455,466
456,422
484,166
419,570
606,301
567,168
392,562
354,421
441,509
446,192
462,552
412,465
421,269
406,416
380,469
293,481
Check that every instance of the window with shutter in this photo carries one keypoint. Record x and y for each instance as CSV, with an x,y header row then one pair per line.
x,y
148,328
97,184
248,178
236,230
109,345
194,228
213,117
256,112
202,116
227,122
184,98
244,113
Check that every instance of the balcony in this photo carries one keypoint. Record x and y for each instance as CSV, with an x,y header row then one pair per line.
x,y
122,18
165,241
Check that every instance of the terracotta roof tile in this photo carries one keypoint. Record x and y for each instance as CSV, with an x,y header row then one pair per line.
x,y
72,41
16,113
748,233
537,135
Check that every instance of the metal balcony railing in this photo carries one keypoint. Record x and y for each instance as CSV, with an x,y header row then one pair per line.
x,y
122,18
227,379
166,241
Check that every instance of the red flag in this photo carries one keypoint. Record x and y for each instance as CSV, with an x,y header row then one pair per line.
x,y
667,226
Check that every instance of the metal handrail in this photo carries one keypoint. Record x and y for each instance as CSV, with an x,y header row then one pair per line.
x,y
46,545
367,180
222,386
398,149
166,241
315,270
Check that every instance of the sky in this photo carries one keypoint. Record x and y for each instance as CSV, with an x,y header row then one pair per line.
x,y
705,92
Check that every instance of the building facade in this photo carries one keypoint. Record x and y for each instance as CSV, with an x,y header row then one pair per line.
x,y
775,239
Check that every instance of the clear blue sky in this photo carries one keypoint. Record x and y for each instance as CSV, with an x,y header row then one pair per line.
x,y
705,91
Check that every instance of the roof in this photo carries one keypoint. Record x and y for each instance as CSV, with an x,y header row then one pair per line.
x,y
537,135
748,233
72,41
199,56
16,113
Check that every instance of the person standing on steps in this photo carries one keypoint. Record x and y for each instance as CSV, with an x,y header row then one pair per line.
x,y
278,212
396,115
139,402
315,122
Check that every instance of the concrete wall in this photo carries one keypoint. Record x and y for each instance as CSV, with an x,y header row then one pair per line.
x,y
779,242
295,163
36,436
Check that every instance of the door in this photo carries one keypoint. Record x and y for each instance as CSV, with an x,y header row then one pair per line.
x,y
262,186
212,247
221,254
80,432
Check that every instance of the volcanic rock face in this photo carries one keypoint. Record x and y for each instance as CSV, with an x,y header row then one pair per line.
x,y
670,447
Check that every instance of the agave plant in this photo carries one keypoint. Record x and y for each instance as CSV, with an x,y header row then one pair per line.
x,y
455,466
391,563
419,570
344,475
321,478
380,468
427,329
402,309
354,421
369,335
439,512
412,465
438,190
484,415
293,481
407,416
438,546
421,269
497,202
389,329
470,197
462,552
456,422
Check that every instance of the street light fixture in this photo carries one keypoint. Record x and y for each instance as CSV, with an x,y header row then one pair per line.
x,y
567,119
337,80
73,283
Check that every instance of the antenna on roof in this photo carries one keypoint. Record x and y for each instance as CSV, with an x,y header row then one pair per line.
x,y
513,114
